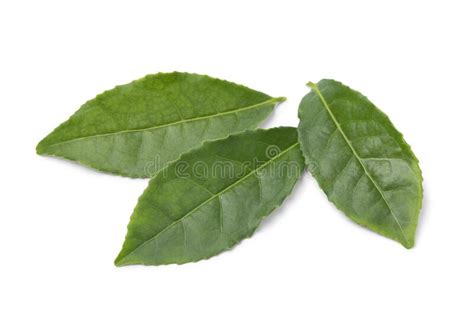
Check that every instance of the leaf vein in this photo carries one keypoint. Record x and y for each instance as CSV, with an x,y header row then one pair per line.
x,y
183,121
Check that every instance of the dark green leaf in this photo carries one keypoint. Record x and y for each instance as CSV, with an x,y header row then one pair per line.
x,y
212,197
137,128
360,160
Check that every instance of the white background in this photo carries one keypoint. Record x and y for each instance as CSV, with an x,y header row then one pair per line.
x,y
61,225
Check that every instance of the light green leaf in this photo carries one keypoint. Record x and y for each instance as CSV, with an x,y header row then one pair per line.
x,y
360,160
212,197
136,129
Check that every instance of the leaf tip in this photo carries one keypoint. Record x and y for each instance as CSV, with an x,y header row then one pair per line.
x,y
279,100
124,258
408,244
311,84
119,261
40,148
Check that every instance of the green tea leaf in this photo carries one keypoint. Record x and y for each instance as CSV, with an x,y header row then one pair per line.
x,y
360,160
212,197
136,129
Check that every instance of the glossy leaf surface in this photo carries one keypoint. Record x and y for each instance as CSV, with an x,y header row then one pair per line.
x,y
212,197
136,129
360,160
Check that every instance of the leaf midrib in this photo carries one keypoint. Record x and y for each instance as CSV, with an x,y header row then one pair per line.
x,y
218,194
267,102
315,88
